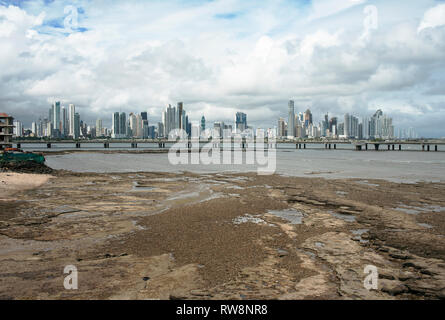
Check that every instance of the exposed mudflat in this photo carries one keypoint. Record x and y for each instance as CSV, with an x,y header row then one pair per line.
x,y
220,236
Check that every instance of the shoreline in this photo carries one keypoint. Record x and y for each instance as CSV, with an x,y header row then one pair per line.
x,y
222,236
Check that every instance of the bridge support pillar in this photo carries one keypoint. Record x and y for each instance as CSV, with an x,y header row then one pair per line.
x,y
435,147
48,145
428,147
376,146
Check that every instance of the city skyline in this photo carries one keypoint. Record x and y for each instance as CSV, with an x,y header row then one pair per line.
x,y
61,123
345,57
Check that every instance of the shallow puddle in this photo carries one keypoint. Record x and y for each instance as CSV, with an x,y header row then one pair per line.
x,y
344,217
291,215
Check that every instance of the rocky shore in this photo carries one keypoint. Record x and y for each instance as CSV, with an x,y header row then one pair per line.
x,y
219,236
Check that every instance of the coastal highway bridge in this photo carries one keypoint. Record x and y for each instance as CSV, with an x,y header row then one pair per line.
x,y
358,145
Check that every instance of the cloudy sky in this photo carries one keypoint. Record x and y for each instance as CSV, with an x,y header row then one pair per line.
x,y
219,57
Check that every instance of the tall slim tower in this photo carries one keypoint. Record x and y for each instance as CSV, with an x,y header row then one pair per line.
x,y
56,117
71,112
291,120
180,111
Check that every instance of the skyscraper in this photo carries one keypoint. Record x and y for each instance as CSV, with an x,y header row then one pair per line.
x,y
240,122
123,125
291,120
71,112
203,124
281,128
169,119
76,126
115,125
57,121
180,116
307,118
99,132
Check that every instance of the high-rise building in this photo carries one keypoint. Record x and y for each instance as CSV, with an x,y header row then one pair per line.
x,y
144,116
71,112
57,120
115,125
169,119
123,125
307,118
160,130
180,116
99,128
281,128
203,124
291,120
18,129
240,122
76,126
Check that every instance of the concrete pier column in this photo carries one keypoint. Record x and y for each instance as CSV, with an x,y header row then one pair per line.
x,y
48,145
435,147
376,146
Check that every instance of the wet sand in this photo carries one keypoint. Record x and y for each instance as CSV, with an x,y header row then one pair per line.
x,y
220,236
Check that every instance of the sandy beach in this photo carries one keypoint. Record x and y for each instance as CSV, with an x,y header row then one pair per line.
x,y
219,236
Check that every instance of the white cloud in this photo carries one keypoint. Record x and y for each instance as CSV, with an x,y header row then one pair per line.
x,y
433,17
217,57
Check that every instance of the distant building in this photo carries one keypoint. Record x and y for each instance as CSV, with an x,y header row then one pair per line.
x,y
240,122
203,124
18,129
6,130
76,126
71,112
291,120
99,128
281,128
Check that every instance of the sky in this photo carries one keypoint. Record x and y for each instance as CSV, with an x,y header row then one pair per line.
x,y
224,56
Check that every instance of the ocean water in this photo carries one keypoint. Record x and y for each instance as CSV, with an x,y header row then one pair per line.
x,y
394,166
